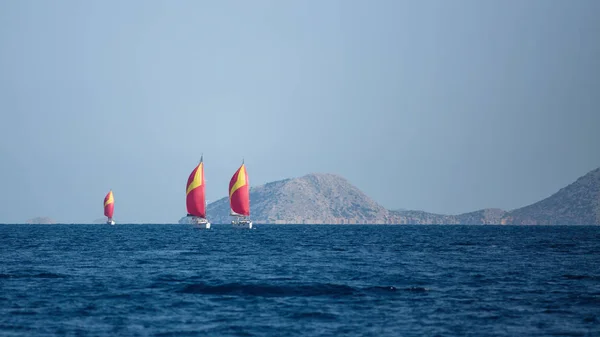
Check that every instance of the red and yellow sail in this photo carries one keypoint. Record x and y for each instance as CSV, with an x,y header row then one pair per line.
x,y
195,199
109,205
239,192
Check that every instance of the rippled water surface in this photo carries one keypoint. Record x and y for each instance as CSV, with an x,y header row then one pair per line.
x,y
174,280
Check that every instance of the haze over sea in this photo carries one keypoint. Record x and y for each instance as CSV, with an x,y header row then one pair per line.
x,y
313,280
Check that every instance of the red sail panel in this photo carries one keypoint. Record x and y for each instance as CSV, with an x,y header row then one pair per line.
x,y
109,205
195,198
239,192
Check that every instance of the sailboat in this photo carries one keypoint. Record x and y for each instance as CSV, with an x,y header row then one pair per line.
x,y
239,198
195,199
109,207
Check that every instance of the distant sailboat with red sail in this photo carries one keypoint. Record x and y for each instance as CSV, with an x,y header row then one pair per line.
x,y
239,198
195,199
109,207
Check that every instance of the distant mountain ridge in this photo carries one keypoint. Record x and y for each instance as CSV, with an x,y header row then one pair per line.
x,y
41,220
311,199
577,203
319,198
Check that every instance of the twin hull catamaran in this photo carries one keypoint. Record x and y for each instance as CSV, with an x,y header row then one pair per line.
x,y
195,199
109,208
239,198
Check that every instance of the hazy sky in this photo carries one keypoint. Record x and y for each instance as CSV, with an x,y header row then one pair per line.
x,y
444,106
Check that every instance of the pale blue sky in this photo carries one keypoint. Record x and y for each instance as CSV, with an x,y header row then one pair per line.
x,y
445,106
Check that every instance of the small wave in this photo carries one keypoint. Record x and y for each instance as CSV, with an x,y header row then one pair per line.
x,y
240,289
389,289
23,312
561,245
556,311
181,304
168,278
314,315
590,319
581,277
145,261
192,253
50,275
303,290
87,309
463,243
118,296
177,333
338,249
417,289
39,275
280,278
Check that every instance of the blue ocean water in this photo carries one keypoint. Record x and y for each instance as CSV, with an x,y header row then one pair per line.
x,y
299,280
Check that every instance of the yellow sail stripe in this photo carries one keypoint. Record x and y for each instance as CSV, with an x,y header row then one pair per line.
x,y
110,199
197,179
241,181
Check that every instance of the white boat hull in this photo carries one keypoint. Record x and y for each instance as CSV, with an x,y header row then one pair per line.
x,y
242,224
203,225
111,222
199,223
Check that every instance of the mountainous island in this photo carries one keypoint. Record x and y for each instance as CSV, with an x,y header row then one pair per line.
x,y
331,199
41,221
312,199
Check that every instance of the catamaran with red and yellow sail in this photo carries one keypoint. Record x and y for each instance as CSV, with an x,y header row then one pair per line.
x,y
195,199
109,208
239,198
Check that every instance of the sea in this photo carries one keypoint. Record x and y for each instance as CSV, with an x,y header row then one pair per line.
x,y
299,280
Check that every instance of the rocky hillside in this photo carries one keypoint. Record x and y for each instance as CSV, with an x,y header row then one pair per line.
x,y
488,216
311,199
484,216
578,203
41,221
420,218
331,199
